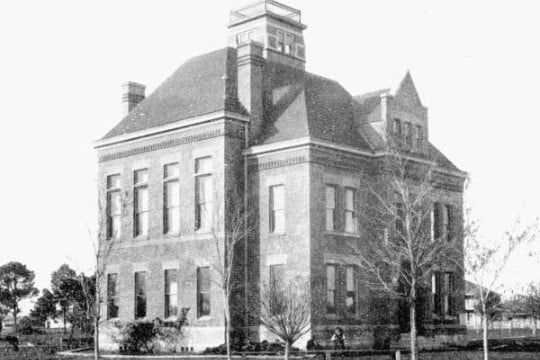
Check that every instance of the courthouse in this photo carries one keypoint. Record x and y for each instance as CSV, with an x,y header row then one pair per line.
x,y
247,123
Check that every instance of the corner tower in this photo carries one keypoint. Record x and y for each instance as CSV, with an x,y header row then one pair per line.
x,y
277,27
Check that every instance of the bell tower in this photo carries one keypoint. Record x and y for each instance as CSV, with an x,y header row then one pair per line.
x,y
277,27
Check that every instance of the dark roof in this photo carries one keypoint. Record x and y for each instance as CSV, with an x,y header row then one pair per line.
x,y
296,104
198,87
300,104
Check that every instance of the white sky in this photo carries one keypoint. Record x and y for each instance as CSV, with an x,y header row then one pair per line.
x,y
476,65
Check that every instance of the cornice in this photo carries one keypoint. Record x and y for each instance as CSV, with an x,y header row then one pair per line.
x,y
170,143
159,130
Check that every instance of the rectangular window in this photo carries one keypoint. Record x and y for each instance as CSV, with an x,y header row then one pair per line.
x,y
171,293
397,128
280,41
436,292
140,191
330,207
112,296
437,221
203,193
408,134
114,206
289,40
171,198
331,289
277,209
277,281
432,222
400,214
203,291
350,284
419,136
351,221
447,222
448,288
140,295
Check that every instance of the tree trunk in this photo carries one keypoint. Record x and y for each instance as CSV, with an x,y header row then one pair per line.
x,y
96,322
534,326
227,331
485,331
287,347
412,320
15,320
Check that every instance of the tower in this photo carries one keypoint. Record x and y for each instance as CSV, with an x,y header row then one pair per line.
x,y
277,27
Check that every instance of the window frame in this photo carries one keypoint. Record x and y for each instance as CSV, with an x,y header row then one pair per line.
x,y
333,210
140,186
140,294
351,210
200,176
112,296
397,127
331,309
354,291
168,304
203,295
168,180
113,189
275,212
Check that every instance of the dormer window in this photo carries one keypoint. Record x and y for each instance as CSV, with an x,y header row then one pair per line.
x,y
408,134
419,137
397,128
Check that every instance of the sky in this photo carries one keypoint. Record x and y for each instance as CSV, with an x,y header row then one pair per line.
x,y
476,65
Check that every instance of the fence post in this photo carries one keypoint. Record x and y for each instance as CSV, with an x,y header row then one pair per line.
x,y
398,355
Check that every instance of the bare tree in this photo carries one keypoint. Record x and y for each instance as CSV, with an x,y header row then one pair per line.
x,y
285,311
231,226
404,252
102,246
531,304
486,260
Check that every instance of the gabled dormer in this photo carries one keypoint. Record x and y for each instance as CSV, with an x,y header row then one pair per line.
x,y
397,115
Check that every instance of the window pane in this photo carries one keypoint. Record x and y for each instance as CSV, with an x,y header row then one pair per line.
x,y
278,197
330,197
330,288
113,181
171,170
140,294
330,219
141,176
350,222
173,220
203,165
172,196
116,227
112,293
115,204
350,279
203,291
141,220
331,277
142,199
279,221
349,199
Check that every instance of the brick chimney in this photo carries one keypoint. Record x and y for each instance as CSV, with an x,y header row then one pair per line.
x,y
132,95
250,64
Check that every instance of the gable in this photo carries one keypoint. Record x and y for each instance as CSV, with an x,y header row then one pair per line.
x,y
407,94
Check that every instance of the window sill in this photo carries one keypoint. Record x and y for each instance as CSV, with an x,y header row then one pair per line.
x,y
171,234
340,233
204,318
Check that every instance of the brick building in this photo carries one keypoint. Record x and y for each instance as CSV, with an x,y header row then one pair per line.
x,y
249,120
